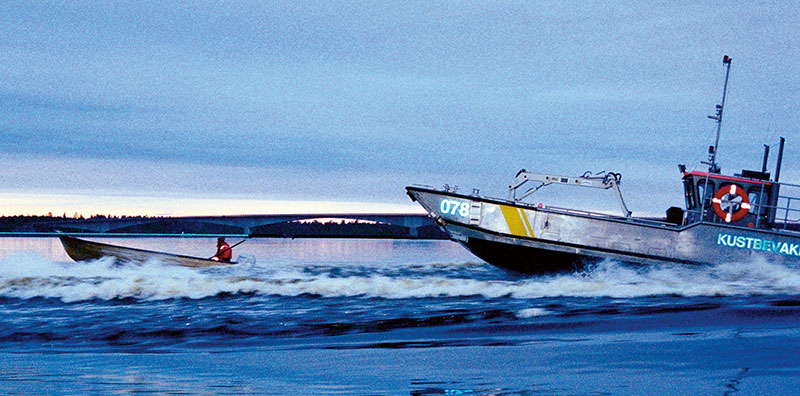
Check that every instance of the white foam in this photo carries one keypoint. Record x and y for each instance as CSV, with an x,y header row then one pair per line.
x,y
29,275
532,312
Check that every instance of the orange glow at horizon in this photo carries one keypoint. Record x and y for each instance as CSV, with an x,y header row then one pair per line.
x,y
88,205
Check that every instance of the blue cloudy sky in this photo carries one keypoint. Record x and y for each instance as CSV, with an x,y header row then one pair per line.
x,y
223,106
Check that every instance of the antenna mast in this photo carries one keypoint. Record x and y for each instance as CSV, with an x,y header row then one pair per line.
x,y
712,151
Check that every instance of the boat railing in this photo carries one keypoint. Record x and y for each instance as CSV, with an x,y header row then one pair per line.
x,y
784,211
787,211
586,213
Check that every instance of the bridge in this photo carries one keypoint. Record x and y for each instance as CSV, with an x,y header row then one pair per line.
x,y
235,224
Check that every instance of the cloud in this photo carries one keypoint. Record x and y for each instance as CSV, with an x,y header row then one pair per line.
x,y
374,93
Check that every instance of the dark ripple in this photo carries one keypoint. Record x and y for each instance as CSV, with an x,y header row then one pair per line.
x,y
26,336
787,303
638,307
383,325
424,344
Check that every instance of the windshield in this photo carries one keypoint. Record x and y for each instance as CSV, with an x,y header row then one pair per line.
x,y
705,189
688,188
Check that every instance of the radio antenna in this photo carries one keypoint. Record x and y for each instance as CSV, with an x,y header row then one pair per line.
x,y
712,151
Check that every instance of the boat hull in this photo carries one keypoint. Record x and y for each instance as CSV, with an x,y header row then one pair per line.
x,y
535,239
526,259
82,250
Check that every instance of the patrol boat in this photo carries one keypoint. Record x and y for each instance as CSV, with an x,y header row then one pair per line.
x,y
727,218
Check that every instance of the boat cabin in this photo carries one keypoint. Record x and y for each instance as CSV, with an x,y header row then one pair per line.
x,y
744,199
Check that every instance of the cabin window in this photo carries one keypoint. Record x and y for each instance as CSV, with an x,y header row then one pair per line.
x,y
758,198
705,189
688,188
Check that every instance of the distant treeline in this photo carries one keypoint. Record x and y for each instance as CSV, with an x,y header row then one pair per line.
x,y
179,226
35,223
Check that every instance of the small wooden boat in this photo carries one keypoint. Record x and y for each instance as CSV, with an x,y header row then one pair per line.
x,y
80,250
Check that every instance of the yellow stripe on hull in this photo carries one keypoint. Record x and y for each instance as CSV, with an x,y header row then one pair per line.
x,y
517,222
527,223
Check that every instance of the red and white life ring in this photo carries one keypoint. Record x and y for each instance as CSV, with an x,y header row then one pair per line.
x,y
728,196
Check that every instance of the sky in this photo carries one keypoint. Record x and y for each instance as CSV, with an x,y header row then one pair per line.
x,y
223,107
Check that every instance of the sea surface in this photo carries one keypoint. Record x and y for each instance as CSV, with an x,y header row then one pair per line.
x,y
386,317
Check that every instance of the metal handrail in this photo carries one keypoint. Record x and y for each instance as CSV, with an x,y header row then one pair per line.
x,y
791,215
600,215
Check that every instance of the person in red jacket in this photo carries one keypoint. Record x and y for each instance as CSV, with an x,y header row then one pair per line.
x,y
224,251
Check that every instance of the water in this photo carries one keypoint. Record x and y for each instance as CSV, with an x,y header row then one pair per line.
x,y
378,317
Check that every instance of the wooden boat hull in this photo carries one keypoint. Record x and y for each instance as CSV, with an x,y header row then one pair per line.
x,y
81,250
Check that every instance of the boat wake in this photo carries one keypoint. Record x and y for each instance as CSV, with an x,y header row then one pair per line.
x,y
29,275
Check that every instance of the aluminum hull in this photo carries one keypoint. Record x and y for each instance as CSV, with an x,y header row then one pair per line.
x,y
81,250
532,239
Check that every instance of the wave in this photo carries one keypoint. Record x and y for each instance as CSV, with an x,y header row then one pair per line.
x,y
29,275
